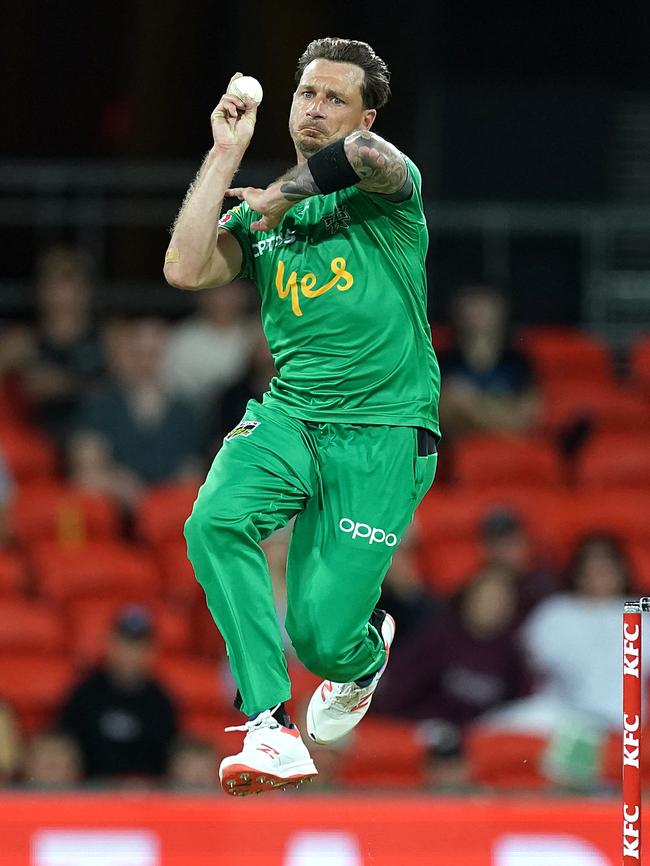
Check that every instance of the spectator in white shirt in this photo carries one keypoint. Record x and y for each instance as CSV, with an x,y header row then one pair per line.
x,y
573,641
209,351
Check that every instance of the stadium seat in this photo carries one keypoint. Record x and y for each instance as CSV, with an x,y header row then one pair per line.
x,y
29,454
456,514
90,623
607,408
620,512
27,626
640,363
491,461
60,512
163,512
13,574
562,353
207,640
442,337
384,753
95,568
448,565
639,555
35,685
505,760
179,584
616,460
195,683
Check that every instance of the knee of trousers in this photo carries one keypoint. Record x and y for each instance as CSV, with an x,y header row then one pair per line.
x,y
217,531
325,661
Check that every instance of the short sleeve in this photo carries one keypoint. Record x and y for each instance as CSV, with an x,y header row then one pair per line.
x,y
237,221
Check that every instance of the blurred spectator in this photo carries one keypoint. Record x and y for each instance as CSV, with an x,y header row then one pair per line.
x,y
68,356
403,594
507,544
488,385
16,351
456,666
52,760
9,743
229,407
122,719
131,433
193,765
209,351
573,641
6,493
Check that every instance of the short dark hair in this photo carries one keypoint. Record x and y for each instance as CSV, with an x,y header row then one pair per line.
x,y
375,90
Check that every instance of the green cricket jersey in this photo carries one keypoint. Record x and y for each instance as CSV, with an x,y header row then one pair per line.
x,y
343,287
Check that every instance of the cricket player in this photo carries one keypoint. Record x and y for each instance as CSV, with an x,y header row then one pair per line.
x,y
345,438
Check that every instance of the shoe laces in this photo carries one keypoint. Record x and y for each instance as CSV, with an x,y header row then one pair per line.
x,y
344,696
264,720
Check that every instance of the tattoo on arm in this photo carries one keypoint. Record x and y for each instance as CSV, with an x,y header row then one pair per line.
x,y
298,183
379,164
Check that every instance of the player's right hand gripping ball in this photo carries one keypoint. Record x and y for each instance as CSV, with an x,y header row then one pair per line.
x,y
246,85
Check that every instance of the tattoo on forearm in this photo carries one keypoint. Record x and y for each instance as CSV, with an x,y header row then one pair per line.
x,y
298,183
379,164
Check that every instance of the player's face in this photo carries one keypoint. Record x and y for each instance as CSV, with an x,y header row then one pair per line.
x,y
327,105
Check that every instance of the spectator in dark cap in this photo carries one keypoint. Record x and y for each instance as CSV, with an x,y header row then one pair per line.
x,y
122,719
507,544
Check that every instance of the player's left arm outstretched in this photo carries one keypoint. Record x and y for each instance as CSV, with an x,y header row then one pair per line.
x,y
362,159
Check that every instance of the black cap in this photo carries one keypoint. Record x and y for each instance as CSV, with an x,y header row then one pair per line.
x,y
134,622
499,522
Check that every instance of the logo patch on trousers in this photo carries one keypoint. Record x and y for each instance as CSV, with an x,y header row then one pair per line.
x,y
371,534
245,428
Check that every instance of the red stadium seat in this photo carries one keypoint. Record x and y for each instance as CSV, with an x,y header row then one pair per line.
x,y
616,460
607,408
195,683
96,568
442,337
163,512
620,512
28,453
59,512
35,685
207,638
90,622
640,363
448,565
491,461
27,626
505,760
639,555
560,353
384,753
180,585
13,573
456,514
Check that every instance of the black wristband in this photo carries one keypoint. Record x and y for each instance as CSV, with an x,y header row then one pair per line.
x,y
331,168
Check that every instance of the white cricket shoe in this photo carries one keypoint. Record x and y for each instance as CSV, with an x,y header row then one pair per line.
x,y
336,708
273,757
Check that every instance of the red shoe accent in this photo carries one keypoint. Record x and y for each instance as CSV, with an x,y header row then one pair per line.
x,y
240,781
363,702
268,749
326,687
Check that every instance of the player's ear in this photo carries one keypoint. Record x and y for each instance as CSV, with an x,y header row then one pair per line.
x,y
368,117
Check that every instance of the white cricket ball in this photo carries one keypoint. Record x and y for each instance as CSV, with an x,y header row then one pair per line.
x,y
247,86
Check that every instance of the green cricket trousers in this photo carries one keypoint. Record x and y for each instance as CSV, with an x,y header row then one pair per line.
x,y
353,490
